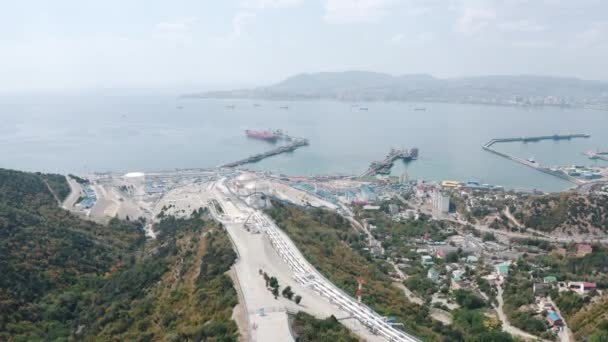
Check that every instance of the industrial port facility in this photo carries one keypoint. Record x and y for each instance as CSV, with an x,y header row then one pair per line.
x,y
488,146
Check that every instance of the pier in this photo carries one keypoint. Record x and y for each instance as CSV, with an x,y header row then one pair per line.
x,y
551,171
384,167
597,155
294,144
536,138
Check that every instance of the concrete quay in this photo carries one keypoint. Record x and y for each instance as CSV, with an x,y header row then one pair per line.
x,y
557,173
290,147
384,167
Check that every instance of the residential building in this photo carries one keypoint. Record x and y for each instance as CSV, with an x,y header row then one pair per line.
x,y
583,249
502,269
457,275
427,260
581,287
441,201
471,259
433,275
554,319
550,280
393,209
539,289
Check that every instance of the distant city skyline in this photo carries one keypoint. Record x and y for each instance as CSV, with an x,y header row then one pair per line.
x,y
198,45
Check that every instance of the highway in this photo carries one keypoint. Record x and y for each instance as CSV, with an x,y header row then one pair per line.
x,y
307,276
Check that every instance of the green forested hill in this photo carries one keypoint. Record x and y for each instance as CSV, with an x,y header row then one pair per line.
x,y
63,278
325,239
567,211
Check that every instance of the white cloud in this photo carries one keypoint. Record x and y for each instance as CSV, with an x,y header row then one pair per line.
x,y
355,11
177,25
262,4
420,38
475,19
595,35
418,11
241,21
521,26
177,29
398,38
534,44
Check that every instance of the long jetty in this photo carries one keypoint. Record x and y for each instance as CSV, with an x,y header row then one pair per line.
x,y
488,147
293,145
536,138
597,155
384,167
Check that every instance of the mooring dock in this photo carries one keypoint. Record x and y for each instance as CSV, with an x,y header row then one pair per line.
x,y
597,155
537,138
384,167
552,171
294,144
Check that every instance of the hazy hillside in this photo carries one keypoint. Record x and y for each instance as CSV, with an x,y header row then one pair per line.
x,y
566,212
370,86
66,279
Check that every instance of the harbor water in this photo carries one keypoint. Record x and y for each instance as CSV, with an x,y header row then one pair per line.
x,y
81,133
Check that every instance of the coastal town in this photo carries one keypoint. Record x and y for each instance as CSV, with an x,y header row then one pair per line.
x,y
447,245
456,248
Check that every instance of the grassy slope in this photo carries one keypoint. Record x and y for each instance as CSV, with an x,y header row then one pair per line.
x,y
323,238
591,320
306,328
69,279
568,211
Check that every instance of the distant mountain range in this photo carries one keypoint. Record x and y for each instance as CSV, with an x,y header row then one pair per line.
x,y
523,90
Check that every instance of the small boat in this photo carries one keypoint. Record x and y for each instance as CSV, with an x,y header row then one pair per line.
x,y
532,160
230,107
284,107
363,108
420,109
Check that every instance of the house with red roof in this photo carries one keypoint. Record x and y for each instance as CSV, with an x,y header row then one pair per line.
x,y
583,249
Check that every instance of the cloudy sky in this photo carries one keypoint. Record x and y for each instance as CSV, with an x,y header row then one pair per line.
x,y
71,44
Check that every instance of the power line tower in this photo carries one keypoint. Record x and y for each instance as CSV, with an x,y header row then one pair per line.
x,y
360,283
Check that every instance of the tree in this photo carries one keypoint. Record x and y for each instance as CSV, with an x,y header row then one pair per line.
x,y
468,299
298,299
274,283
287,292
267,279
489,237
275,292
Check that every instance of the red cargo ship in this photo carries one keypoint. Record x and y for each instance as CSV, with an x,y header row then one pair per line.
x,y
263,135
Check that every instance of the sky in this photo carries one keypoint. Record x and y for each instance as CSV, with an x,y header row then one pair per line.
x,y
198,44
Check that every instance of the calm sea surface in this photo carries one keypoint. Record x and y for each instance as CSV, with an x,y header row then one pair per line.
x,y
104,132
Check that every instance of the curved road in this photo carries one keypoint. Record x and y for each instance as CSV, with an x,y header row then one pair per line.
x,y
308,277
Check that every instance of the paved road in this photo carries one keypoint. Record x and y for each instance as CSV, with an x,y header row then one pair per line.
x,y
537,235
565,335
75,191
506,326
266,250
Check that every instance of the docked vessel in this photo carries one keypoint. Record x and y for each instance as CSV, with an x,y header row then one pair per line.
x,y
271,136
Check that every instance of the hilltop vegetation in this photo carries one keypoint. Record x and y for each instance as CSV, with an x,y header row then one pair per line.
x,y
568,212
329,243
591,322
307,328
518,298
66,279
522,90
